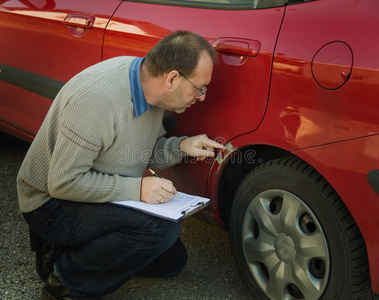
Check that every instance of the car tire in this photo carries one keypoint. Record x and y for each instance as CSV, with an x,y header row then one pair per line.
x,y
293,238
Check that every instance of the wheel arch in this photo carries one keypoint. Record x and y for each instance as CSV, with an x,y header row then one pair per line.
x,y
239,163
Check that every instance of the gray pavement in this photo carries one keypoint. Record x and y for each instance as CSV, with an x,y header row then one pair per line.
x,y
209,274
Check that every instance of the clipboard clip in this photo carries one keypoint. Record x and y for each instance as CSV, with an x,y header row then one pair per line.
x,y
190,210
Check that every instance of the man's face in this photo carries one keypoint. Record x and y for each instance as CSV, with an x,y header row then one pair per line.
x,y
187,90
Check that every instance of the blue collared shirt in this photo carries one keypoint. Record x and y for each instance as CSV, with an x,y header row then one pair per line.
x,y
139,100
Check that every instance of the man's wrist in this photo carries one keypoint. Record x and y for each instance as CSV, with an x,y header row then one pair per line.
x,y
180,145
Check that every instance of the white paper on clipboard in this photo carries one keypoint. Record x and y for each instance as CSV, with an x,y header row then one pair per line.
x,y
176,209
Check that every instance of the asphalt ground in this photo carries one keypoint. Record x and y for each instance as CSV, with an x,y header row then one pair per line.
x,y
209,274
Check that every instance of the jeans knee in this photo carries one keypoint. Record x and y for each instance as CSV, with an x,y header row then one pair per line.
x,y
170,233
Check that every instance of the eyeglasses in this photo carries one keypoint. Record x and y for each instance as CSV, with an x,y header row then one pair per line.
x,y
201,91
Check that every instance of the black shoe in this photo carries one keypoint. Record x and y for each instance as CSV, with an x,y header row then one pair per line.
x,y
55,290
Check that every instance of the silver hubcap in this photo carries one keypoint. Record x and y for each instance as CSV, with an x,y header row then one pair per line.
x,y
285,247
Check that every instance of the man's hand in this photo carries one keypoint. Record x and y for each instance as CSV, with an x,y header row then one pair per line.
x,y
156,190
200,146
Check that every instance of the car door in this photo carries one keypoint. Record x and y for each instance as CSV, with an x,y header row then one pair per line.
x,y
243,32
43,44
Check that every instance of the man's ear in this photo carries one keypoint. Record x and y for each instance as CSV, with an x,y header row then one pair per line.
x,y
171,77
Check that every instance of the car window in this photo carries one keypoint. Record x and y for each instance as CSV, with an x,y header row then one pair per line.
x,y
220,4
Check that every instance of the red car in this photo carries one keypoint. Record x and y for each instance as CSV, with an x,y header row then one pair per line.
x,y
293,96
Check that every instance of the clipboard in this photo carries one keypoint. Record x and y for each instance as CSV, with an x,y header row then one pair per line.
x,y
176,209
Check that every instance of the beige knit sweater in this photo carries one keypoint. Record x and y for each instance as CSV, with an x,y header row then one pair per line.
x,y
91,147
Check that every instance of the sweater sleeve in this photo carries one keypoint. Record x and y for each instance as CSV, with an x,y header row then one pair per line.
x,y
86,129
166,152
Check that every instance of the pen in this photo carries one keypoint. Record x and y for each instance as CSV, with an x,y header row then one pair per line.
x,y
156,175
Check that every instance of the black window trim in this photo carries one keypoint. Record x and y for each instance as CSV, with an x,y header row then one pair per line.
x,y
219,6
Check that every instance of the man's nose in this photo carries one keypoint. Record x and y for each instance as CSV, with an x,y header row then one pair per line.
x,y
201,98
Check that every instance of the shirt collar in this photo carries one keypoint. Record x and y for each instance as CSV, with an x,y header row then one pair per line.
x,y
139,100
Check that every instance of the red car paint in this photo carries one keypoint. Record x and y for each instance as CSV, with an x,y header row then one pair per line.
x,y
302,79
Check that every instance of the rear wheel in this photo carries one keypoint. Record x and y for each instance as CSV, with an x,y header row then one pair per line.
x,y
293,237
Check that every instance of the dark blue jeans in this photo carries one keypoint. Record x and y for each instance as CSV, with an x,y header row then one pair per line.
x,y
104,245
